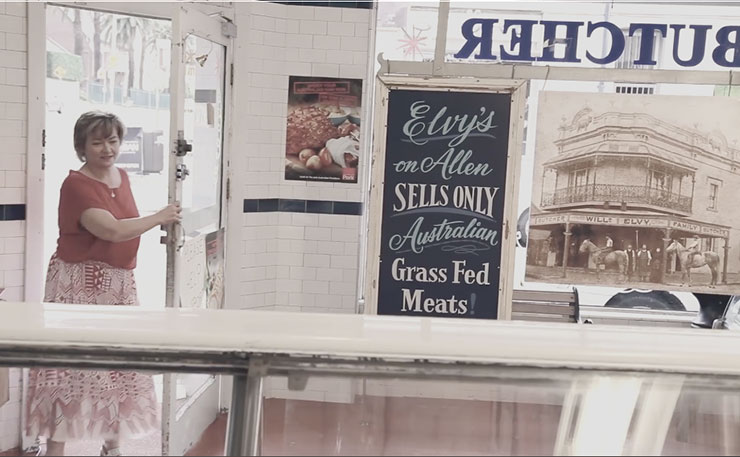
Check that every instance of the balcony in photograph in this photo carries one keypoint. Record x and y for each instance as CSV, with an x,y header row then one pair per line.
x,y
618,196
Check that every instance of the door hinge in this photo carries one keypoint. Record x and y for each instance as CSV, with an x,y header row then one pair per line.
x,y
228,189
231,77
43,145
181,172
228,28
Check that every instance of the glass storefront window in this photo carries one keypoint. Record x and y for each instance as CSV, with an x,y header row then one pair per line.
x,y
681,26
407,30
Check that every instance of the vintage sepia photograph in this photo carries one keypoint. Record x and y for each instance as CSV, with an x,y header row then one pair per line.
x,y
636,191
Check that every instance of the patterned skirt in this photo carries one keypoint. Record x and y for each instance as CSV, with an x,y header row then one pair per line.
x,y
65,405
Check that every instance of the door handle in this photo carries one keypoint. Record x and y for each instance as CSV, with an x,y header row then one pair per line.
x,y
182,147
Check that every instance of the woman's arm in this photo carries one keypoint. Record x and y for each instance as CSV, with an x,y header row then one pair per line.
x,y
105,226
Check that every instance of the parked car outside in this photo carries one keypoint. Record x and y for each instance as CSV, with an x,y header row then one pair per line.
x,y
730,319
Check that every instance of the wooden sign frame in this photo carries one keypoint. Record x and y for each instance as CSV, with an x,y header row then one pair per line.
x,y
384,85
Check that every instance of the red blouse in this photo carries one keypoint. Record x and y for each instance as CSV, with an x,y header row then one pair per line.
x,y
80,192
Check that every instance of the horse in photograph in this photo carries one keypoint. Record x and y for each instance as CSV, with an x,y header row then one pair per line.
x,y
689,260
617,259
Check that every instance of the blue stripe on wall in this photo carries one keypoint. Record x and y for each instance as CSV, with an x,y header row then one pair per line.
x,y
17,212
361,4
13,212
287,205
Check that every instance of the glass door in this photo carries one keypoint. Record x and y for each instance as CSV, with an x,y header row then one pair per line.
x,y
119,61
201,55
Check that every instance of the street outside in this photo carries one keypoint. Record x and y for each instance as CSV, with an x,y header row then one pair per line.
x,y
700,279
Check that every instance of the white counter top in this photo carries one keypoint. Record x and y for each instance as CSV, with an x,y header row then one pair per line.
x,y
349,336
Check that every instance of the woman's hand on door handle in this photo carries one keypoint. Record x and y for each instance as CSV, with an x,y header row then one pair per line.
x,y
170,214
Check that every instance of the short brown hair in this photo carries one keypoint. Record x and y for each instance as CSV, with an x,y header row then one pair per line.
x,y
95,121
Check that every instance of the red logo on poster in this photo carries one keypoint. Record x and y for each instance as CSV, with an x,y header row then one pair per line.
x,y
349,174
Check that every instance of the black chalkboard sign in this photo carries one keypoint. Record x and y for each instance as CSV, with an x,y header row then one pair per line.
x,y
443,203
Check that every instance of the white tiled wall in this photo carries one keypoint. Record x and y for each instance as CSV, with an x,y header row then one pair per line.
x,y
290,261
12,246
321,389
482,390
13,117
10,414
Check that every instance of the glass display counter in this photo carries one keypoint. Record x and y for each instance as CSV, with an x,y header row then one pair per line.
x,y
318,384
520,412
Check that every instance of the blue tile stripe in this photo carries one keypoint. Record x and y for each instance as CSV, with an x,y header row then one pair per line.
x,y
17,212
13,212
361,4
288,205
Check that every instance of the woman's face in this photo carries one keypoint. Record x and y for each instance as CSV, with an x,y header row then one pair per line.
x,y
101,151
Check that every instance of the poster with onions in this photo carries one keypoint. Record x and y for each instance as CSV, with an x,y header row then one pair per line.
x,y
323,129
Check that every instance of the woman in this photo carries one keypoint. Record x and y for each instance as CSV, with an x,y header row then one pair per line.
x,y
99,230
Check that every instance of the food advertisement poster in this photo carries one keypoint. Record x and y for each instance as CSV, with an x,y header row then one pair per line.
x,y
202,280
215,269
193,272
323,129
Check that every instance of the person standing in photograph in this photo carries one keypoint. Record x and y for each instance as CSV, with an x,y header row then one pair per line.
x,y
643,263
552,253
545,250
99,231
656,265
630,261
574,257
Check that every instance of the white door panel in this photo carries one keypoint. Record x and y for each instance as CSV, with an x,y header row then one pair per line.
x,y
201,56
